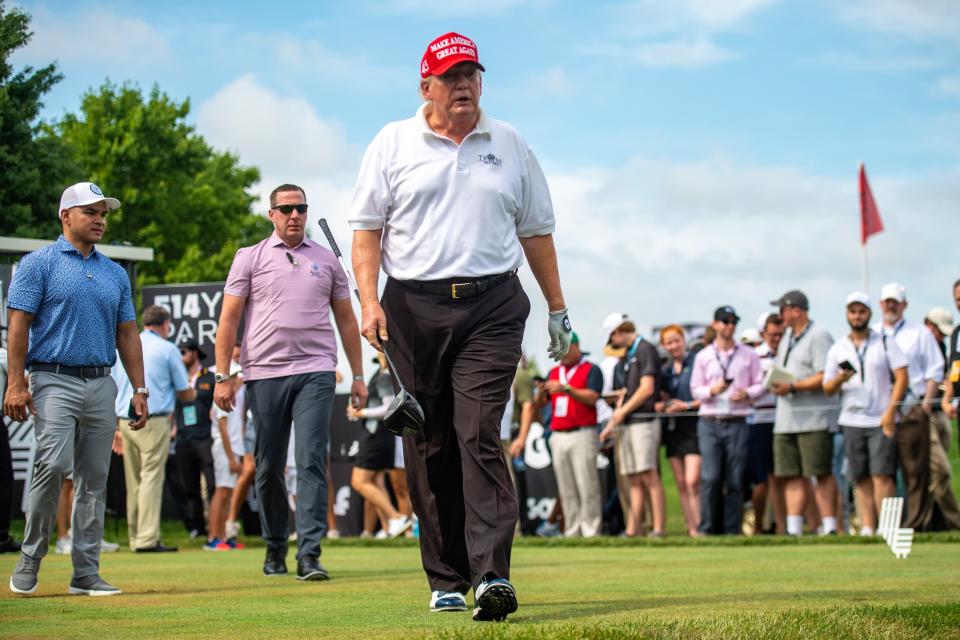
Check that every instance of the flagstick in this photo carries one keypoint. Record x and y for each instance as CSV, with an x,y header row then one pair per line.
x,y
863,268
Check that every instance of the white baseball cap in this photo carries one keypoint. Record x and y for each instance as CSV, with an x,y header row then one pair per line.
x,y
611,322
82,194
750,336
893,291
858,296
942,318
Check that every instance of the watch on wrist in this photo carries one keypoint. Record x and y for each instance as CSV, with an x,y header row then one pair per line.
x,y
358,378
793,388
142,390
566,388
220,377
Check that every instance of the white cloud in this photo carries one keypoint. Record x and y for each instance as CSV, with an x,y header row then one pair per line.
x,y
680,53
950,85
283,135
913,18
679,34
710,16
670,242
95,35
553,82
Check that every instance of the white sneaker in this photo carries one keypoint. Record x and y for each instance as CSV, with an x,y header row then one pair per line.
x,y
108,547
447,601
333,534
232,529
867,532
64,545
381,535
397,526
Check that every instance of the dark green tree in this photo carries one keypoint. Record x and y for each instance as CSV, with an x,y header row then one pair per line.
x,y
34,166
188,202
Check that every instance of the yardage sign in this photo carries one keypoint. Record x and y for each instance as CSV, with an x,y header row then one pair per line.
x,y
194,310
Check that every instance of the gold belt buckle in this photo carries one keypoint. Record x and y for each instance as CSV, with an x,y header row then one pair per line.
x,y
453,289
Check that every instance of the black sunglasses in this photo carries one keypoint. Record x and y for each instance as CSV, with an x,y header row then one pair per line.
x,y
287,209
729,320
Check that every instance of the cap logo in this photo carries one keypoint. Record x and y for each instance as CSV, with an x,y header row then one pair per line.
x,y
96,189
424,68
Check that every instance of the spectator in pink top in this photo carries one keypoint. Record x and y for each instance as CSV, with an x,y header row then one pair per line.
x,y
285,288
726,380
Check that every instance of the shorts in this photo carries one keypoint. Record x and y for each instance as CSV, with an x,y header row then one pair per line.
x,y
376,449
221,467
759,453
639,447
250,437
803,454
869,452
681,439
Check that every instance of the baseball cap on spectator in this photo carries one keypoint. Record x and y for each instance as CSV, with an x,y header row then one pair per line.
x,y
762,320
750,336
446,51
726,312
192,345
942,318
575,339
893,291
82,194
613,322
858,297
794,298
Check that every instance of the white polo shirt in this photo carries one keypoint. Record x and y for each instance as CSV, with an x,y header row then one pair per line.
x,y
924,360
450,210
865,396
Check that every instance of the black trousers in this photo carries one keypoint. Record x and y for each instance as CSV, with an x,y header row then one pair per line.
x,y
459,359
194,459
6,480
913,449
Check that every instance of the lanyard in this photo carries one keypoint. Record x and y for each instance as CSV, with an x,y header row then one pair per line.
x,y
793,342
630,353
725,367
862,357
562,374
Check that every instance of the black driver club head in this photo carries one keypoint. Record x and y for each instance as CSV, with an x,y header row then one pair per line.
x,y
404,416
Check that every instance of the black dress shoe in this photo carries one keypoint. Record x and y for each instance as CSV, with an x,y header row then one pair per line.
x,y
309,568
275,563
157,548
9,545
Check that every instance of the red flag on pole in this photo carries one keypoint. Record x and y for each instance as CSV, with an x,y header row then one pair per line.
x,y
870,222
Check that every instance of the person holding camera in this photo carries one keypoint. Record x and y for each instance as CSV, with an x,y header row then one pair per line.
x,y
869,371
727,379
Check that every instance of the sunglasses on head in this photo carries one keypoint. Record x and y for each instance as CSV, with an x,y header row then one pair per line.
x,y
287,209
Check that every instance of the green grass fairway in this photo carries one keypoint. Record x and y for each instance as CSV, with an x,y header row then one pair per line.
x,y
611,589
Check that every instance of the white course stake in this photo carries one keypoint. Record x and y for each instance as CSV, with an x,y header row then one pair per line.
x,y
899,539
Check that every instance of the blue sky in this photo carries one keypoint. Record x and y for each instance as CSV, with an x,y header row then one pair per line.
x,y
699,152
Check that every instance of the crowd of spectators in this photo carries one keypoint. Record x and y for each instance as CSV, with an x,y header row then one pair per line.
x,y
808,431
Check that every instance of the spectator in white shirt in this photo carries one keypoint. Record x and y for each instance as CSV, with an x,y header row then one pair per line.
x,y
925,371
869,371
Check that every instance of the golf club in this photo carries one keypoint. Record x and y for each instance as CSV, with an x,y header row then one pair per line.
x,y
404,416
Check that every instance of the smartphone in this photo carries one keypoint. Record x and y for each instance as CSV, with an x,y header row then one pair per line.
x,y
132,413
846,366
728,381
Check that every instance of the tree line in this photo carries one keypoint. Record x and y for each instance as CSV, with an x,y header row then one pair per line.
x,y
191,203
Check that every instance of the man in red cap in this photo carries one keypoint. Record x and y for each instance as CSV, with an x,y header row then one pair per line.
x,y
449,203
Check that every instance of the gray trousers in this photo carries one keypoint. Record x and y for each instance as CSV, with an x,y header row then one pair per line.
x,y
305,399
74,429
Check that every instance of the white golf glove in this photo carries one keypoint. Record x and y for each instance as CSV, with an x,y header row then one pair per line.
x,y
560,333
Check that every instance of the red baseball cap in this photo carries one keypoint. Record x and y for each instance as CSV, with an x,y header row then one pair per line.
x,y
446,51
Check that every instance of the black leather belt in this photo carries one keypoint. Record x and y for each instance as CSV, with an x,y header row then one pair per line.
x,y
76,372
457,288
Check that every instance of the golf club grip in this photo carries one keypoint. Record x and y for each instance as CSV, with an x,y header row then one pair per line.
x,y
333,243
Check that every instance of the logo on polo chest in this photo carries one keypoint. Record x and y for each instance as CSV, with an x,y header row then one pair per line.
x,y
314,269
490,159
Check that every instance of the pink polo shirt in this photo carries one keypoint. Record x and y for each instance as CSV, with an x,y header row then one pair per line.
x,y
742,364
287,328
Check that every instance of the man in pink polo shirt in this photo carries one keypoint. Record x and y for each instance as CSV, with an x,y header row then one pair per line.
x,y
727,379
284,288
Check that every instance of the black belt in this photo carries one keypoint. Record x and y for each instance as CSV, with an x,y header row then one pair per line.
x,y
76,372
457,288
